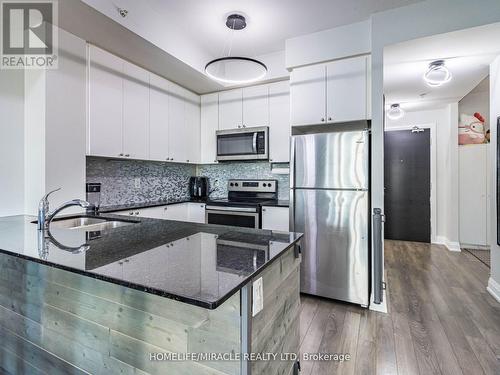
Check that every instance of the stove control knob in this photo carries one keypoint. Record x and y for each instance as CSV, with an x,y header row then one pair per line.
x,y
231,184
235,184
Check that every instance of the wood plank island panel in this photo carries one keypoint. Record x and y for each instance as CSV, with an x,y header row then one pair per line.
x,y
59,322
56,322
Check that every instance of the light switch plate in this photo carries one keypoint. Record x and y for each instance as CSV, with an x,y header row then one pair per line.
x,y
258,296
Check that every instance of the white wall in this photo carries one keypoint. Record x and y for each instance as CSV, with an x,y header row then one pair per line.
x,y
336,43
11,142
494,283
446,230
402,24
42,131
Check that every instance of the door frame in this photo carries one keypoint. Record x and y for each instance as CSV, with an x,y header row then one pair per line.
x,y
433,151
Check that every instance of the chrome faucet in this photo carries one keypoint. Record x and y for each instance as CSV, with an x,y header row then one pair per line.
x,y
44,217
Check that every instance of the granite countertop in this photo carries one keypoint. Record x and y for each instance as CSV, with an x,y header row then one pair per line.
x,y
133,206
199,264
278,203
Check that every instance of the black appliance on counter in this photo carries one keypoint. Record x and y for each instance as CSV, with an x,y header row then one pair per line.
x,y
243,206
198,187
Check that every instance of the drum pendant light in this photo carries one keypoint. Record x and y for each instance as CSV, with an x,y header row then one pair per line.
x,y
235,69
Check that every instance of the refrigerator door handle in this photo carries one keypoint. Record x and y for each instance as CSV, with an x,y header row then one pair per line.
x,y
292,162
292,184
292,211
378,235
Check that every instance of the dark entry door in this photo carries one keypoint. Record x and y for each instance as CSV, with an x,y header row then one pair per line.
x,y
408,185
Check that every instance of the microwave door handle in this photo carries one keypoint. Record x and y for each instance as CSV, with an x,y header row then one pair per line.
x,y
254,144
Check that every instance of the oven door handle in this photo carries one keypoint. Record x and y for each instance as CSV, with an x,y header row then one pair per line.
x,y
254,143
233,209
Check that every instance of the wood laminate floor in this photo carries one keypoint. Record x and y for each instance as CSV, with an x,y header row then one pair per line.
x,y
441,320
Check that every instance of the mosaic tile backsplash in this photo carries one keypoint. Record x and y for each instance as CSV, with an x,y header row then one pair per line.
x,y
220,173
158,181
161,181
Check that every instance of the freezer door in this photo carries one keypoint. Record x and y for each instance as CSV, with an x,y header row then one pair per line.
x,y
330,160
335,244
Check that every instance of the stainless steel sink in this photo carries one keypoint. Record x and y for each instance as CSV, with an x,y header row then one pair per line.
x,y
89,223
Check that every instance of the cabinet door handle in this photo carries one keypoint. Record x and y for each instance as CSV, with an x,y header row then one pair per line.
x,y
263,210
329,119
127,155
322,119
187,161
120,154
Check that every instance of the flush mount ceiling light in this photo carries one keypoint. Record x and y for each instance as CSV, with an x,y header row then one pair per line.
x,y
395,112
235,69
437,74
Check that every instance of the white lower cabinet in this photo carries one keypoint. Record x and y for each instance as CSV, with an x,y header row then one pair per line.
x,y
275,218
196,212
192,212
178,212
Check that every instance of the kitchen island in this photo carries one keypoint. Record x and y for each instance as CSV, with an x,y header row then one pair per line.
x,y
140,296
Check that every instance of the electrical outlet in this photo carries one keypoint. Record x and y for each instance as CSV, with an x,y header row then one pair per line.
x,y
137,183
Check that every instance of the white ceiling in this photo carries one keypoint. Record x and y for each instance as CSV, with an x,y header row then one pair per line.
x,y
468,54
194,31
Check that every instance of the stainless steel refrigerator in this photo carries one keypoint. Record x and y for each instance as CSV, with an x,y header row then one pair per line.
x,y
329,182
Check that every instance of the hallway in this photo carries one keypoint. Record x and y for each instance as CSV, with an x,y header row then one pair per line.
x,y
441,319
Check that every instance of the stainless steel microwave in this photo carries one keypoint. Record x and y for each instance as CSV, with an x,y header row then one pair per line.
x,y
243,144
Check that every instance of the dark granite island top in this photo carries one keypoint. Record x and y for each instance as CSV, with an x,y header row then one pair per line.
x,y
199,264
147,288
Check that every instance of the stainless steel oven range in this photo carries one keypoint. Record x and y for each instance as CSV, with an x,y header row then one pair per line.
x,y
242,207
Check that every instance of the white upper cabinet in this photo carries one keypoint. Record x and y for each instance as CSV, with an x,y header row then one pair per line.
x,y
333,92
346,91
177,130
279,122
105,104
255,106
308,95
209,126
192,126
138,115
184,125
158,118
230,109
135,112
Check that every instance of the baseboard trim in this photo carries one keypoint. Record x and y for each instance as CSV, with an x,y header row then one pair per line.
x,y
475,247
450,245
494,289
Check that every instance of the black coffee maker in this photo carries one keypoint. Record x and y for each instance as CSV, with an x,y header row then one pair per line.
x,y
198,188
